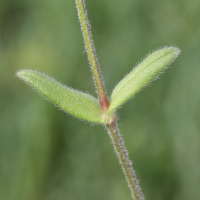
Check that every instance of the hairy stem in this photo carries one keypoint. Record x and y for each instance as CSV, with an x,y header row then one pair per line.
x,y
104,104
126,164
103,99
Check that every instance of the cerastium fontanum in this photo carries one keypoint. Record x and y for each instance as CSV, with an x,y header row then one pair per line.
x,y
102,110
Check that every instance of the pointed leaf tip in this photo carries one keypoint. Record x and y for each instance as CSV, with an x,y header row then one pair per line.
x,y
141,75
78,104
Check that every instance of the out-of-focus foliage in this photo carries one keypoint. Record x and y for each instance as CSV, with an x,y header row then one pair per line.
x,y
46,154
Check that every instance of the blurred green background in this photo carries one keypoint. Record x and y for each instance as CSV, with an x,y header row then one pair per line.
x,y
46,154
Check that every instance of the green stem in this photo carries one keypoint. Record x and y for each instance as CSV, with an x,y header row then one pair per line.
x,y
104,104
126,164
103,99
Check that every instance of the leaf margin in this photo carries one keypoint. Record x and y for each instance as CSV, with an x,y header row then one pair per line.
x,y
94,116
134,72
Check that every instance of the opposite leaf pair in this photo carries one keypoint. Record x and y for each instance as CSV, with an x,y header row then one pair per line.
x,y
85,106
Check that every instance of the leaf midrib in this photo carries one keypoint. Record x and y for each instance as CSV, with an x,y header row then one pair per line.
x,y
120,88
46,82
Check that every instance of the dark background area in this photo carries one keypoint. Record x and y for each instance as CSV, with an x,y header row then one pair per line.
x,y
46,154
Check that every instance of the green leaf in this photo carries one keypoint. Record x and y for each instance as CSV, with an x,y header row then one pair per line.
x,y
140,76
78,104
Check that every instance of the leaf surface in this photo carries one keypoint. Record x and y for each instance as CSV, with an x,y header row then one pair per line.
x,y
141,75
78,104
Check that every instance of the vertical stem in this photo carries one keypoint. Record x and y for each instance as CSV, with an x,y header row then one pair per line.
x,y
104,104
103,99
126,164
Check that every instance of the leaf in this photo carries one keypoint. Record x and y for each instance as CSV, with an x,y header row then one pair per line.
x,y
140,76
78,104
